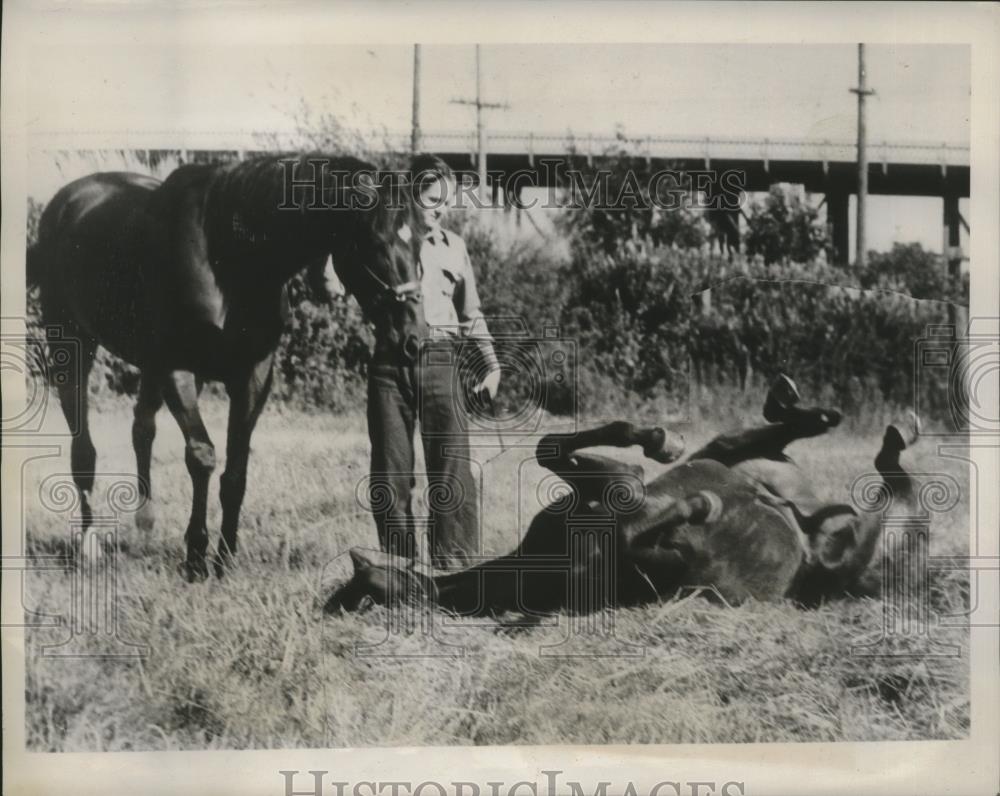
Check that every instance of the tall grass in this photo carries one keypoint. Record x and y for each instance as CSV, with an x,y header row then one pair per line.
x,y
251,661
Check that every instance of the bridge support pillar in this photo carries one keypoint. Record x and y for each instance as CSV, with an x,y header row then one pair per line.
x,y
952,242
838,219
951,246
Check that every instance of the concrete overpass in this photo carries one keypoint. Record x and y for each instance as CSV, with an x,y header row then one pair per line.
x,y
932,169
897,168
828,167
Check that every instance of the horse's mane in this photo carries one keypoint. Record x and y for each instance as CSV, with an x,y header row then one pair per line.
x,y
247,213
255,189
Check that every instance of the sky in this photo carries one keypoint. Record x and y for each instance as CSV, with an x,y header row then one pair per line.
x,y
213,90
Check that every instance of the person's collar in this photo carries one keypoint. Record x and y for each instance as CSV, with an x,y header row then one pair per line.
x,y
437,234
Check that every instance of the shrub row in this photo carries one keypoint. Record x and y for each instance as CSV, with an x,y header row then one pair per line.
x,y
645,319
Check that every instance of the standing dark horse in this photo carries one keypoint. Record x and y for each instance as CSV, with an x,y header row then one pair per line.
x,y
186,279
738,517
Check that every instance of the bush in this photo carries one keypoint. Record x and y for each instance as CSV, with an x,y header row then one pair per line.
x,y
610,202
322,359
911,269
630,315
634,301
784,226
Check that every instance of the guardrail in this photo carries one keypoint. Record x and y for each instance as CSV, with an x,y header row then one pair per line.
x,y
534,145
706,147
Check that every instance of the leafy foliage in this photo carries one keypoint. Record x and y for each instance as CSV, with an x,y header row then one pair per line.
x,y
630,296
323,356
615,198
911,269
784,226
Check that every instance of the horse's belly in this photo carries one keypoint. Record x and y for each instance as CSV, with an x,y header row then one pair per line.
x,y
783,479
749,551
755,556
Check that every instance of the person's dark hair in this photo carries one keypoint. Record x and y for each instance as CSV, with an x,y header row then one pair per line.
x,y
425,168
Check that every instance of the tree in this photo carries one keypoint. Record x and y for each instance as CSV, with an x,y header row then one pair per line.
x,y
785,227
910,268
609,203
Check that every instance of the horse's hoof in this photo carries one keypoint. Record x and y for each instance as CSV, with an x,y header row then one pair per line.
x,y
145,518
663,446
813,419
903,433
907,429
222,563
195,570
782,395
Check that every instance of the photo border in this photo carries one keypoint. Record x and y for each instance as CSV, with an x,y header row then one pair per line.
x,y
932,767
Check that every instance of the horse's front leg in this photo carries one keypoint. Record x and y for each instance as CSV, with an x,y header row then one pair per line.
x,y
180,391
247,396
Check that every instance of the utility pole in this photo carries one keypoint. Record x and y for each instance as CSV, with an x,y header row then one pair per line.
x,y
480,124
861,253
415,130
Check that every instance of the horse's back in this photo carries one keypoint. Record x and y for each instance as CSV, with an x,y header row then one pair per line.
x,y
74,204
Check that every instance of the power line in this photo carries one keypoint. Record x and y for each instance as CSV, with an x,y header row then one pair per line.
x,y
861,254
415,131
480,106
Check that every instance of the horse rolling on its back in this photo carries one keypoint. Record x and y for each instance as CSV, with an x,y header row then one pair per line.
x,y
737,517
186,280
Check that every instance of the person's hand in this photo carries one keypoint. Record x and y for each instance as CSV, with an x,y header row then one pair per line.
x,y
490,384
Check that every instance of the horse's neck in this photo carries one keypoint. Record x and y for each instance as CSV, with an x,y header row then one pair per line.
x,y
253,232
486,588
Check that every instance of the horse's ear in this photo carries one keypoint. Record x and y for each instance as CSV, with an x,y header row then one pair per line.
x,y
360,560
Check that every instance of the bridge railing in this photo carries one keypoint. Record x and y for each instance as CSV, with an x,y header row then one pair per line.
x,y
704,147
685,147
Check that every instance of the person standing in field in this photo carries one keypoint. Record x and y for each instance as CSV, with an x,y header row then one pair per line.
x,y
429,392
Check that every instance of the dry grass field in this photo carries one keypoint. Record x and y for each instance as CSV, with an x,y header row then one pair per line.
x,y
251,661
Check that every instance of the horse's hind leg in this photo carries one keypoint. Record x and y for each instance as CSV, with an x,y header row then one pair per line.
x,y
71,374
593,476
180,390
844,543
897,438
143,432
902,499
657,443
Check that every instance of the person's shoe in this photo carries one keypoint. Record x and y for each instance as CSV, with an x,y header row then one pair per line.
x,y
782,396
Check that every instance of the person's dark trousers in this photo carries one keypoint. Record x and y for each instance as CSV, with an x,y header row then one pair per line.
x,y
430,394
391,419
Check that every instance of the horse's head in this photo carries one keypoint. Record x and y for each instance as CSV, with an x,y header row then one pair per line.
x,y
373,231
380,579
